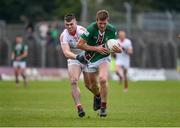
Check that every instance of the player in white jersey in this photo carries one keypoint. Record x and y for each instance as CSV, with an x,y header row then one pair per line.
x,y
76,60
123,59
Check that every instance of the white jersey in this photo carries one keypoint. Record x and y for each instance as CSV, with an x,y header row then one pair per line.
x,y
123,59
65,37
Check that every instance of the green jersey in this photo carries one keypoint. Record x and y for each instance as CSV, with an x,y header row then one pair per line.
x,y
19,49
95,38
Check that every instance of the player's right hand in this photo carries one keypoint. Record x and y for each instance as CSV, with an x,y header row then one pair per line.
x,y
117,49
18,58
102,50
81,59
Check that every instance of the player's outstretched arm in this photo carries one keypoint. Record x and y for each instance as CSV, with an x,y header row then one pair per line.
x,y
84,46
67,52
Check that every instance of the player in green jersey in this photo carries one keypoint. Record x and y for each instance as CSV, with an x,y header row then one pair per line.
x,y
19,57
93,42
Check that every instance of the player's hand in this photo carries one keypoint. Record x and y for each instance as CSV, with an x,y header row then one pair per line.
x,y
117,49
102,50
81,59
18,58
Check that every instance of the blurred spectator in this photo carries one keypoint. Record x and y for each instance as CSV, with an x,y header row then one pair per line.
x,y
52,48
28,27
53,33
43,29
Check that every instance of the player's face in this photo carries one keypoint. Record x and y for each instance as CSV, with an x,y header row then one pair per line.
x,y
102,24
19,39
71,26
122,35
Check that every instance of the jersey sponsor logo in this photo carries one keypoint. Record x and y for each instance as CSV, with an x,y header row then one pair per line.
x,y
18,47
95,37
70,41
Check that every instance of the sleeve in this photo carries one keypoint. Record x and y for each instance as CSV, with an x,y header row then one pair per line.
x,y
114,33
82,30
25,47
63,39
130,44
86,35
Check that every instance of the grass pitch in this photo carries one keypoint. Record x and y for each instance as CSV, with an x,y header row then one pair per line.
x,y
49,103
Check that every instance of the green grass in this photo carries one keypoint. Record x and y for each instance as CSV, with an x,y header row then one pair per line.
x,y
49,103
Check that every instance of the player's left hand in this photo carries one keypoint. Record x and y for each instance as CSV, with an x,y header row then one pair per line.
x,y
117,49
102,50
81,59
18,58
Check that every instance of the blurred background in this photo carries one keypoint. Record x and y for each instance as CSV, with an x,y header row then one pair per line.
x,y
152,26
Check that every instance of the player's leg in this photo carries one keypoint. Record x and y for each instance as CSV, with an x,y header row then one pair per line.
x,y
125,70
119,72
23,73
74,72
103,80
91,82
16,73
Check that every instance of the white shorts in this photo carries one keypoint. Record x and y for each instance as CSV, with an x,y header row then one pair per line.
x,y
123,63
20,64
93,67
75,62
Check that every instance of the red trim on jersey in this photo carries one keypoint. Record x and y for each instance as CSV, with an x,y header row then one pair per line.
x,y
73,33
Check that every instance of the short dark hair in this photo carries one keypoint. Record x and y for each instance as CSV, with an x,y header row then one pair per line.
x,y
120,29
69,17
102,15
19,35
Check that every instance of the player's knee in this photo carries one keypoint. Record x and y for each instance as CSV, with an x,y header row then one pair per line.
x,y
89,86
102,80
125,77
95,87
23,75
74,82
